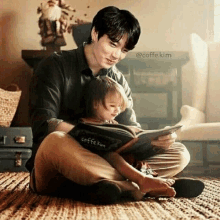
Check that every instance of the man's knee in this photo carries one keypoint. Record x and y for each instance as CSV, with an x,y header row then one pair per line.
x,y
183,155
54,139
56,136
50,145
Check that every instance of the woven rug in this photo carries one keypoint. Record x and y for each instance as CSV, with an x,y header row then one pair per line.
x,y
17,202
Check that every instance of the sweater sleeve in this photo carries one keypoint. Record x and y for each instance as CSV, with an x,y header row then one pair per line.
x,y
45,96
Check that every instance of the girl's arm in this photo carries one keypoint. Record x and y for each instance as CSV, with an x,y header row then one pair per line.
x,y
124,168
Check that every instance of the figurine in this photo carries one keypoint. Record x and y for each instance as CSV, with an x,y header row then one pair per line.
x,y
53,22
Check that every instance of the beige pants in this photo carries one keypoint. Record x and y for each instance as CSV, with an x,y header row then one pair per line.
x,y
60,157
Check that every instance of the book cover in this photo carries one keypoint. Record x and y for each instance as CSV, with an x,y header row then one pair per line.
x,y
115,137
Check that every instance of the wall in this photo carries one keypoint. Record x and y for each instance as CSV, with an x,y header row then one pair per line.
x,y
166,26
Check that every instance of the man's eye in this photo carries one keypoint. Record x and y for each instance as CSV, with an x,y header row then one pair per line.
x,y
124,51
113,44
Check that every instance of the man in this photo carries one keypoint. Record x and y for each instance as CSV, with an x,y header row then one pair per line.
x,y
59,161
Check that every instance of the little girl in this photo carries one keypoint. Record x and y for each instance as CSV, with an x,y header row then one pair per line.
x,y
103,100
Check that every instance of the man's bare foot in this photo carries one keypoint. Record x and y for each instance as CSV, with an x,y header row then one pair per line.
x,y
153,184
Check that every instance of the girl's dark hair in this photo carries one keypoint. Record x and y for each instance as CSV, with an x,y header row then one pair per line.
x,y
95,92
115,23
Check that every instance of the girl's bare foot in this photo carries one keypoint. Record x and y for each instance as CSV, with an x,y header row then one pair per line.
x,y
170,182
157,185
169,192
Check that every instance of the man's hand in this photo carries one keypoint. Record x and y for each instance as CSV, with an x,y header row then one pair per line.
x,y
165,141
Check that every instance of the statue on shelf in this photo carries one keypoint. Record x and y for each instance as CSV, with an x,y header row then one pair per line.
x,y
53,22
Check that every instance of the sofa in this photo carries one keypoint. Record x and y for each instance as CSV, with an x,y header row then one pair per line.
x,y
201,119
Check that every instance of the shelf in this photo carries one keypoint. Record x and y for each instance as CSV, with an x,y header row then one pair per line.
x,y
140,68
154,123
150,62
145,89
158,55
33,57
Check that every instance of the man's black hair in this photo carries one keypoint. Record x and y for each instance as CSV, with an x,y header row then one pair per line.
x,y
115,23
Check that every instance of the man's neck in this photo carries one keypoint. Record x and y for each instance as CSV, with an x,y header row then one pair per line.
x,y
91,59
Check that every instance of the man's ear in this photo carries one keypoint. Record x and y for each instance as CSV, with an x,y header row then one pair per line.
x,y
96,104
94,34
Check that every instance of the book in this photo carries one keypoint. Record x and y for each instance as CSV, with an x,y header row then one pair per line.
x,y
115,137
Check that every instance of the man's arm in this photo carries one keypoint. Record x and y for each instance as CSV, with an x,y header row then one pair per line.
x,y
45,96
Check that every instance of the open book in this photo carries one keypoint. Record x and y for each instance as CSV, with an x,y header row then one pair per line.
x,y
115,137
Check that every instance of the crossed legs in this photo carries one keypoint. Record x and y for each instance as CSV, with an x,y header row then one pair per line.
x,y
171,161
60,157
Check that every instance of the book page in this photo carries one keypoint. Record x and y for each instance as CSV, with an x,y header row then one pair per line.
x,y
154,134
